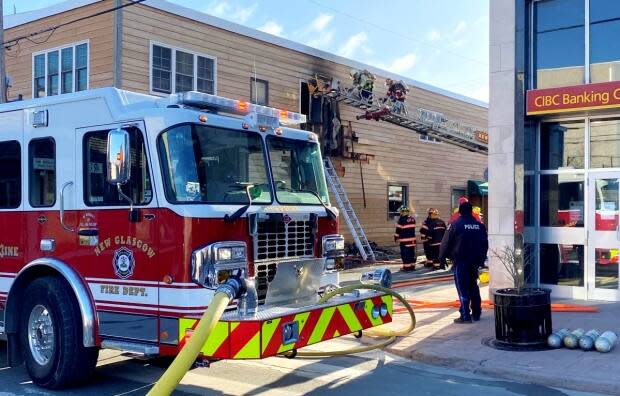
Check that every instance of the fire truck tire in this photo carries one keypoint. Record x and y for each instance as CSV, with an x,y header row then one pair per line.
x,y
50,328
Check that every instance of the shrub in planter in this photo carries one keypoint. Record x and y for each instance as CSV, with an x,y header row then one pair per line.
x,y
522,314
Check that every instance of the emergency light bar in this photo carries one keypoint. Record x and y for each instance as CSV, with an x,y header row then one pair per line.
x,y
267,116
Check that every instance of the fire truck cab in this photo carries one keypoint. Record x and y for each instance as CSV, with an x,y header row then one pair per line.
x,y
120,213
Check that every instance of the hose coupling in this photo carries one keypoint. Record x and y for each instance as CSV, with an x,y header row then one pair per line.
x,y
233,288
380,276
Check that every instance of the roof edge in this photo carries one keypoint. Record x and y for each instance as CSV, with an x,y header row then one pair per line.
x,y
233,27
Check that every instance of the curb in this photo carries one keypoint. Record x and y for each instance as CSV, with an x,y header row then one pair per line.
x,y
534,377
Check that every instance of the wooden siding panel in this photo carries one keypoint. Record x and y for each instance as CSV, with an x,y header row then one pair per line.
x,y
98,31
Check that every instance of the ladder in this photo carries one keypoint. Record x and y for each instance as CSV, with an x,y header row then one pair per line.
x,y
347,212
427,122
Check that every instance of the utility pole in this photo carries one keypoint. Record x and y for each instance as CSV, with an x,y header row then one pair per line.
x,y
3,96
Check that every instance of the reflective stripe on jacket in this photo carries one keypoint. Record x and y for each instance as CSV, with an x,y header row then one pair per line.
x,y
405,230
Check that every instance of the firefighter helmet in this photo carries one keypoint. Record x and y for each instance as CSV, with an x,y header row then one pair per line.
x,y
404,209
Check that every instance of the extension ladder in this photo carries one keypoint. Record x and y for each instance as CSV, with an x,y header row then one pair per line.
x,y
422,121
347,212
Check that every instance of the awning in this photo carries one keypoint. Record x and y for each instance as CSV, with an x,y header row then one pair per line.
x,y
477,187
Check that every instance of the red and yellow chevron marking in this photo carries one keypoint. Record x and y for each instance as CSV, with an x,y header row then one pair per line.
x,y
260,339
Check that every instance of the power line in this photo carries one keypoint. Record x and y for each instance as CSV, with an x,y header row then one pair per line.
x,y
51,30
398,33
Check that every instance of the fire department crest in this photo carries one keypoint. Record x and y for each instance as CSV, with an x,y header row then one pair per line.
x,y
123,262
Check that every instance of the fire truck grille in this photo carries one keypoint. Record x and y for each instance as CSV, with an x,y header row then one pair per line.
x,y
277,240
264,275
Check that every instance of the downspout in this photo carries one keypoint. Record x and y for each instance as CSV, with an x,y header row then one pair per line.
x,y
118,44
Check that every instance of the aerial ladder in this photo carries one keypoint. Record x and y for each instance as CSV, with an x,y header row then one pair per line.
x,y
422,121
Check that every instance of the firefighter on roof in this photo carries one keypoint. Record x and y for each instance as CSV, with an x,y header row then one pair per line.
x,y
431,234
405,236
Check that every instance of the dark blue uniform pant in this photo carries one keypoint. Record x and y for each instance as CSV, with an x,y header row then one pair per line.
x,y
466,277
407,253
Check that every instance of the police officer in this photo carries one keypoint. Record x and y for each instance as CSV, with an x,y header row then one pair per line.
x,y
466,243
405,236
432,233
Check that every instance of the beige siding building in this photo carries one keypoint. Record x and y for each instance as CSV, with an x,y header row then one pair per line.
x,y
157,47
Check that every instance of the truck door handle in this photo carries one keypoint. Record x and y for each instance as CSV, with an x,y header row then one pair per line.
x,y
62,206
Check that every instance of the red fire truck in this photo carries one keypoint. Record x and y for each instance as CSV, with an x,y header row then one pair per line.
x,y
121,213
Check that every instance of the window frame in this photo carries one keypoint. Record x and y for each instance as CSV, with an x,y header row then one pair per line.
x,y
30,169
254,80
405,187
173,68
85,184
45,53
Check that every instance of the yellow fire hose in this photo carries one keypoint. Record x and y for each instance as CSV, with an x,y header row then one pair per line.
x,y
392,334
185,359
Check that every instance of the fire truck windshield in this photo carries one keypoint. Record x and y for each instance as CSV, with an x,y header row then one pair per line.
x,y
204,164
297,171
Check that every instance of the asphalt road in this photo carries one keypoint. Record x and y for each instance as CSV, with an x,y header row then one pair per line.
x,y
373,373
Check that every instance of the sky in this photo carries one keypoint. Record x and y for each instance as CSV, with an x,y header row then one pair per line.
x,y
444,43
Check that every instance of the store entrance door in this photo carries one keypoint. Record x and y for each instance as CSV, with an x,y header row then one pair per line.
x,y
603,237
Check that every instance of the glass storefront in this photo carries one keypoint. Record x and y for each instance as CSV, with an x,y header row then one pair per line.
x,y
570,169
572,207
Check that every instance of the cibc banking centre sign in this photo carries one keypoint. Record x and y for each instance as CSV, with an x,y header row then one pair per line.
x,y
575,98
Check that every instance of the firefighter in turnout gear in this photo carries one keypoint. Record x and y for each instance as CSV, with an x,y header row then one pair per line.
x,y
431,234
466,243
405,236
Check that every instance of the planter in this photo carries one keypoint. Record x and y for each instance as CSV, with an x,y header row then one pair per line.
x,y
522,317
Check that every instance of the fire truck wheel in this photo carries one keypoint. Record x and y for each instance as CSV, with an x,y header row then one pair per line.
x,y
51,335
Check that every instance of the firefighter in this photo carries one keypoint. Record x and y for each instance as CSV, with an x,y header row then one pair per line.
x,y
455,215
431,234
363,84
395,96
405,236
466,244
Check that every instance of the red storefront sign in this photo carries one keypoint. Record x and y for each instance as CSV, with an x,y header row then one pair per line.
x,y
575,98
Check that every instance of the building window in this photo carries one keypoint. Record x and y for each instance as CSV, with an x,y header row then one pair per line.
x,y
429,139
10,175
61,70
175,70
562,200
559,43
259,91
605,143
97,191
398,195
42,169
604,51
562,145
561,264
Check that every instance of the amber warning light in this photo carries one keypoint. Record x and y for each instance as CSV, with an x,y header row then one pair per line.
x,y
265,116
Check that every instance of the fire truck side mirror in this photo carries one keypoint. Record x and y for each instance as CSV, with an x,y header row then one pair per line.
x,y
119,157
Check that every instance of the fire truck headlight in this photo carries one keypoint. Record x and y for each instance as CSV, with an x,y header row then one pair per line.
x,y
212,265
333,251
231,253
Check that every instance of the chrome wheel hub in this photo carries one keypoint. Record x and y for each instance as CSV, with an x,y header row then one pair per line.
x,y
41,335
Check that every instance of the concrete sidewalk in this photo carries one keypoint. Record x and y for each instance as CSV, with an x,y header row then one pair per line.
x,y
437,340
